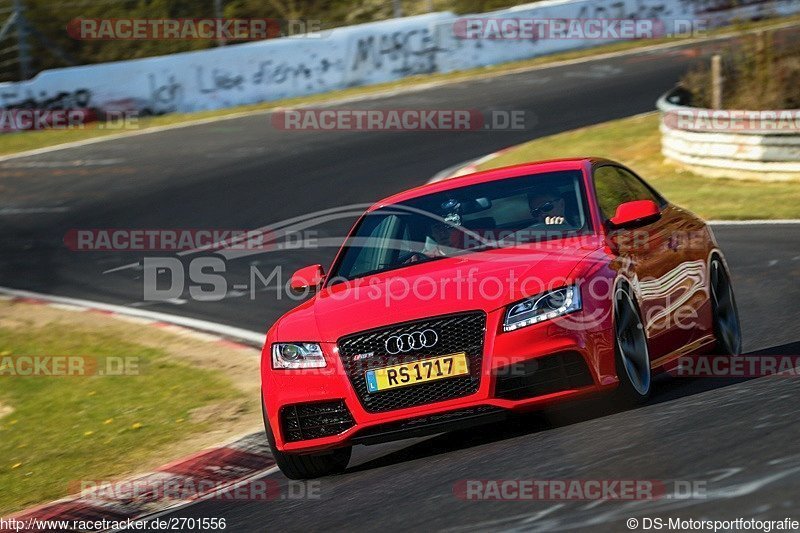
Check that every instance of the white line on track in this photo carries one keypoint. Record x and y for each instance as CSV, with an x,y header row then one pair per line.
x,y
246,336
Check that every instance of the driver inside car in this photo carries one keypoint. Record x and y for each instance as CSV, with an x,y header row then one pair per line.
x,y
549,209
436,243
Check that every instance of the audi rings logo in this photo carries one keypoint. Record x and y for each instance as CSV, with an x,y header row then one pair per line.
x,y
409,342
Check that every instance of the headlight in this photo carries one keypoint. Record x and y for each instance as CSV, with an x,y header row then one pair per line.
x,y
297,355
542,307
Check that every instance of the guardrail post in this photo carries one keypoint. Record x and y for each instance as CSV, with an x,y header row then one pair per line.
x,y
218,12
716,82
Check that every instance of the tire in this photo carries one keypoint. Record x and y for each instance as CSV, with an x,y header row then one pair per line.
x,y
631,353
725,314
306,466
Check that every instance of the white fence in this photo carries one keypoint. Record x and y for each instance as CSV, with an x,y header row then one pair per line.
x,y
344,57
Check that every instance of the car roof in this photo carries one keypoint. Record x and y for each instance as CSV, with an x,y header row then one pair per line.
x,y
524,169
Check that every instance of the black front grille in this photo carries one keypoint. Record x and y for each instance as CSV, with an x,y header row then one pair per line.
x,y
456,333
305,421
543,375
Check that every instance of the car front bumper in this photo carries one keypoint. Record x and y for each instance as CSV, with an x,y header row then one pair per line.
x,y
510,359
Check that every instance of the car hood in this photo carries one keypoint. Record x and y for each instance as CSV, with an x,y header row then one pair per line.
x,y
485,280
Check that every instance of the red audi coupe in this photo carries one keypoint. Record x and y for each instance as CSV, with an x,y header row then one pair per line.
x,y
452,304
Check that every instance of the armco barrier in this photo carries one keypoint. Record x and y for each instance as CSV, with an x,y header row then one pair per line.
x,y
732,144
344,57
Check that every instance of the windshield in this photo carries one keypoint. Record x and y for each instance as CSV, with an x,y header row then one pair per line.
x,y
463,220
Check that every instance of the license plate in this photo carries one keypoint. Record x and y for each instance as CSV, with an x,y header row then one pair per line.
x,y
391,377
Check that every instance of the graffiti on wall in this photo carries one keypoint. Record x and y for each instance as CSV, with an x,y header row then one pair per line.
x,y
366,54
165,95
403,53
305,75
75,99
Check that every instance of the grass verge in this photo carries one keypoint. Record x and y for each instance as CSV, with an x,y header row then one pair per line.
x,y
56,431
636,142
20,142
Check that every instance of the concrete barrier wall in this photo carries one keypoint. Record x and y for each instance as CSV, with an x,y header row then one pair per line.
x,y
345,57
741,148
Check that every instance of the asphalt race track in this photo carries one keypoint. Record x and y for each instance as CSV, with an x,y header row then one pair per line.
x,y
737,438
244,174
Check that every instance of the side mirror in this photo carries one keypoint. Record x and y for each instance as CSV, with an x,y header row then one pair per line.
x,y
635,213
310,276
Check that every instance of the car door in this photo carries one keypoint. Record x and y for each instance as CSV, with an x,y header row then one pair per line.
x,y
647,256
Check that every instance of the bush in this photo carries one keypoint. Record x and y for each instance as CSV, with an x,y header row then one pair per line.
x,y
757,75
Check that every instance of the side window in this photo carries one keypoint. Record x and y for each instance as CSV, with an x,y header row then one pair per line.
x,y
375,252
640,189
614,186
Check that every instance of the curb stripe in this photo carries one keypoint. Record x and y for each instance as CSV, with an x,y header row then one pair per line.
x,y
222,468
